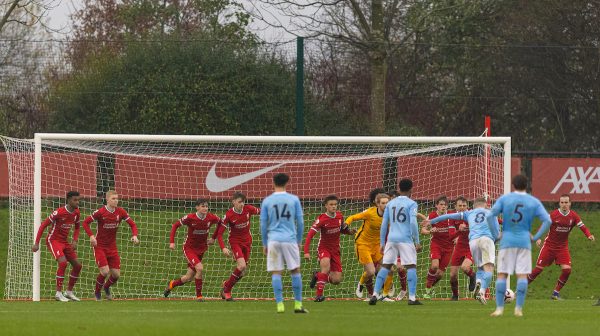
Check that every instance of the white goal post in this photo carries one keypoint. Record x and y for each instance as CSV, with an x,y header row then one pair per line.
x,y
159,176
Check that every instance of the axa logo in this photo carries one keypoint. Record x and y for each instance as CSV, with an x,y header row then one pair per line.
x,y
580,178
217,184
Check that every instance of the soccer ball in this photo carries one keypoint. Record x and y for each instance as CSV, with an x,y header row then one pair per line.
x,y
509,296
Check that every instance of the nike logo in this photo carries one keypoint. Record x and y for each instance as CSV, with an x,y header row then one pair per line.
x,y
217,184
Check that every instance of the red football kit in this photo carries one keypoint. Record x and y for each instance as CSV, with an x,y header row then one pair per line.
x,y
195,244
556,244
238,224
61,221
330,229
106,252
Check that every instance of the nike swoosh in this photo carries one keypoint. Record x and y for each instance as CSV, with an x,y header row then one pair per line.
x,y
217,184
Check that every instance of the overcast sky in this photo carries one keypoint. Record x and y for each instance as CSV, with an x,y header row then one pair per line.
x,y
59,19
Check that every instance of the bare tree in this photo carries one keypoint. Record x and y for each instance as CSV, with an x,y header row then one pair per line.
x,y
375,27
25,12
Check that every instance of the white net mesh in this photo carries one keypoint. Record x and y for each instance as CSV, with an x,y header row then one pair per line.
x,y
158,182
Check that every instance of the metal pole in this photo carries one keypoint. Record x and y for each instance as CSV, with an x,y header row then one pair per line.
x,y
300,86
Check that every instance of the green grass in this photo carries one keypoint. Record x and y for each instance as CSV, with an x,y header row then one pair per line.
x,y
259,318
571,316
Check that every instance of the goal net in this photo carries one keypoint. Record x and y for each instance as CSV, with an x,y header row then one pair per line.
x,y
158,178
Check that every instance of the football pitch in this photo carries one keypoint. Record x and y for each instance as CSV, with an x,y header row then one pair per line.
x,y
572,317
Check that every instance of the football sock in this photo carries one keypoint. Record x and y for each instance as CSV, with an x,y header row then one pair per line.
x,y
521,292
110,282
321,281
297,286
389,282
479,273
437,279
562,280
469,272
369,285
402,276
74,276
235,276
534,274
60,275
363,278
277,287
454,286
99,282
381,276
411,275
431,278
486,280
500,290
198,287
176,283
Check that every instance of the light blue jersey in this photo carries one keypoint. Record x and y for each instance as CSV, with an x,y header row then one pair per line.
x,y
518,210
281,218
478,225
400,216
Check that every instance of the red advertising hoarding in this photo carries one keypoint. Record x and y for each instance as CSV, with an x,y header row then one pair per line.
x,y
173,178
553,177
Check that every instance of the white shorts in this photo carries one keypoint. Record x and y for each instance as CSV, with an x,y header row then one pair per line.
x,y
280,252
483,251
514,260
406,252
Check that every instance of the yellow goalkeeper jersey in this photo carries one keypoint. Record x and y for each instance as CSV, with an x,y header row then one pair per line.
x,y
368,233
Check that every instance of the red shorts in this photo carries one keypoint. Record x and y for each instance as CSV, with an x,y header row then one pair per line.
x,y
241,251
561,256
442,254
335,259
460,254
107,256
194,255
59,249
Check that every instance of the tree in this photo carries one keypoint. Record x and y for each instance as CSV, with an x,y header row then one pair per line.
x,y
377,28
25,12
23,62
180,67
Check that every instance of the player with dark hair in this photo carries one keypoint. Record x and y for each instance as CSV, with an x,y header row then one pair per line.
x,y
441,246
401,240
237,222
61,220
195,245
329,225
461,256
518,210
281,228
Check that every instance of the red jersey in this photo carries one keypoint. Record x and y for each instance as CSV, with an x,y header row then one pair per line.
x,y
238,225
442,236
463,236
558,236
61,221
198,229
108,223
330,229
